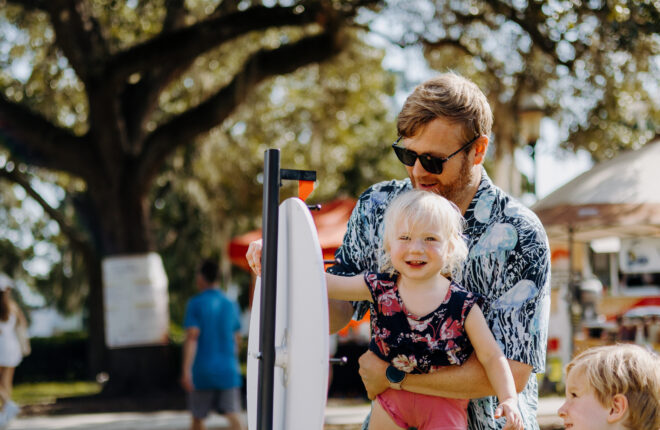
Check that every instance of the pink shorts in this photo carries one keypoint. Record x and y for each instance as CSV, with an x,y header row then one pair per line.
x,y
424,412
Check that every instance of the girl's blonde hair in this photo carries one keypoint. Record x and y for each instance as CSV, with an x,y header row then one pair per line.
x,y
624,369
415,209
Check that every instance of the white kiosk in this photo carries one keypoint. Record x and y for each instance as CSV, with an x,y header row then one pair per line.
x,y
287,369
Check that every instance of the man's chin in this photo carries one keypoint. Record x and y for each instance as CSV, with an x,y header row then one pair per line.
x,y
446,192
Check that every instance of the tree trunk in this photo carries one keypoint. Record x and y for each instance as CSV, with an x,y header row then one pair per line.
x,y
122,230
505,173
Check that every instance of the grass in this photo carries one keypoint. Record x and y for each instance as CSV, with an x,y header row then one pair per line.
x,y
47,392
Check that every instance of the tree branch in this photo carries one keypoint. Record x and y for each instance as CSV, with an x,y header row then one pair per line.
x,y
30,4
170,49
77,239
79,36
184,128
139,100
35,140
529,22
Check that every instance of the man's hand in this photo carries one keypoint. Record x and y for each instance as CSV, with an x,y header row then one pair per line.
x,y
372,372
253,256
186,381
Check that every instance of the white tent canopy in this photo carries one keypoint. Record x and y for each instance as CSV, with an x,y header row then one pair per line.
x,y
619,197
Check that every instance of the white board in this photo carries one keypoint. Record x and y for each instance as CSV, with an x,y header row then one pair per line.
x,y
135,301
301,327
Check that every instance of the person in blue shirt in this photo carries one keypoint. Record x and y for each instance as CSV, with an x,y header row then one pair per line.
x,y
210,368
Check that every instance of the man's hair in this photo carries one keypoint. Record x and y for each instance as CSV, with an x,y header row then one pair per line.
x,y
624,369
209,271
417,208
448,96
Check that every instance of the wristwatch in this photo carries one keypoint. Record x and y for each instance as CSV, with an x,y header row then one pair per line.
x,y
395,376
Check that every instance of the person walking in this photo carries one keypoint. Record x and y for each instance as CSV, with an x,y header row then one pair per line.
x,y
210,368
11,355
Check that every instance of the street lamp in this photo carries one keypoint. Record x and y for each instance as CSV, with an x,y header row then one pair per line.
x,y
530,113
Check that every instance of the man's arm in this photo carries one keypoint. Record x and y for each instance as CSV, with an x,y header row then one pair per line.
x,y
468,381
189,352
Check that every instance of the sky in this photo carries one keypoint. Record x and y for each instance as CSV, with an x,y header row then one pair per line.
x,y
555,166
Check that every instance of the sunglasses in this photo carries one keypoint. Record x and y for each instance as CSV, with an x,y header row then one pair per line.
x,y
430,163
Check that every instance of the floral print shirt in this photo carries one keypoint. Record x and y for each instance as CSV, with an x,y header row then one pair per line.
x,y
508,263
419,344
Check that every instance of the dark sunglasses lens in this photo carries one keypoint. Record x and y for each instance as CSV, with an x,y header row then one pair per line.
x,y
431,164
406,157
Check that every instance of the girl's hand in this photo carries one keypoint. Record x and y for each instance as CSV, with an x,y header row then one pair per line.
x,y
509,408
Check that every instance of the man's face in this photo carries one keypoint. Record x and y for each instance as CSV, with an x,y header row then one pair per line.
x,y
582,410
440,138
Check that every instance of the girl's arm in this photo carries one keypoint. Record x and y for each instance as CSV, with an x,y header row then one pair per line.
x,y
496,365
347,287
20,316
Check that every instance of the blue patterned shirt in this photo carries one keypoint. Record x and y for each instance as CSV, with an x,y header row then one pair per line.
x,y
508,263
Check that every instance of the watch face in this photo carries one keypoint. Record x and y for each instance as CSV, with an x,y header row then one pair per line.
x,y
394,375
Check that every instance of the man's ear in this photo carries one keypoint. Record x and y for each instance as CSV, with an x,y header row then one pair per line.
x,y
480,147
618,409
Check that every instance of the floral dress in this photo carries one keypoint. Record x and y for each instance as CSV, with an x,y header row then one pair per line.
x,y
419,344
508,263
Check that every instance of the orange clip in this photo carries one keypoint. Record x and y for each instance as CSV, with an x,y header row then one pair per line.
x,y
305,188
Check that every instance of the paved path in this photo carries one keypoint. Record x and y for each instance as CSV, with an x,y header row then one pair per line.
x,y
337,416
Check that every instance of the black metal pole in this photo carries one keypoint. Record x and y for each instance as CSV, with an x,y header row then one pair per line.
x,y
572,292
268,289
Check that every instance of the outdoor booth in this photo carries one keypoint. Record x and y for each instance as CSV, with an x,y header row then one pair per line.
x,y
604,232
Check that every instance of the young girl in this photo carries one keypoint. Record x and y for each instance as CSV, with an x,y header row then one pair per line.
x,y
10,349
423,319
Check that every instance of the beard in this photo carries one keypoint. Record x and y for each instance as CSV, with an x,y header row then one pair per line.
x,y
457,190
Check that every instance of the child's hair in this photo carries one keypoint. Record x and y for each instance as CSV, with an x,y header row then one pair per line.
x,y
418,208
626,369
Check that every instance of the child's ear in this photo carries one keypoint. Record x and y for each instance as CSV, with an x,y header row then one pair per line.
x,y
619,408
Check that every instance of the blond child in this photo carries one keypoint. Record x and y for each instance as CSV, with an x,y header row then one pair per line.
x,y
423,319
611,388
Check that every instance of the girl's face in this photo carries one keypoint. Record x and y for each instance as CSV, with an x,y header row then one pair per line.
x,y
418,252
582,410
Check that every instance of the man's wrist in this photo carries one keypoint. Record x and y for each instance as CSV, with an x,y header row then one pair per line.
x,y
395,377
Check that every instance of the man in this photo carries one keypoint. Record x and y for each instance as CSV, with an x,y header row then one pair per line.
x,y
210,369
444,127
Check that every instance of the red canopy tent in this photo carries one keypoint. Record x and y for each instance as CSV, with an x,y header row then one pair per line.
x,y
330,223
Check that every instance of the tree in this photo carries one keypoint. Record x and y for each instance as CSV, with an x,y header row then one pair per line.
x,y
113,89
595,63
333,118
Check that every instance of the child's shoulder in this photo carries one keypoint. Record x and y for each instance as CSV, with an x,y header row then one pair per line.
x,y
380,277
459,292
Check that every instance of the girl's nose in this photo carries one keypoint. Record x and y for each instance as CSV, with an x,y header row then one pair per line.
x,y
417,245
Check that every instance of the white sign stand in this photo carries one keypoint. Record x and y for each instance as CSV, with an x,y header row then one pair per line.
x,y
136,305
287,375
